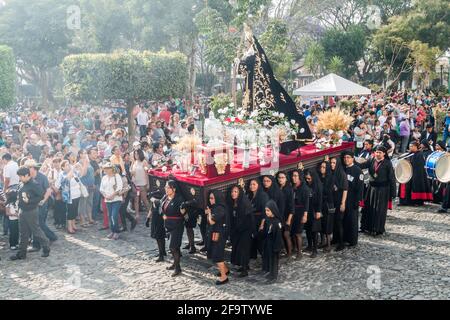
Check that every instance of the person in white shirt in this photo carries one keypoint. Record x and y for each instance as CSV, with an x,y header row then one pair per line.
x,y
9,172
142,120
110,188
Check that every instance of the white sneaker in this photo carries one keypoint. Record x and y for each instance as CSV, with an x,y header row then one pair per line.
x,y
14,248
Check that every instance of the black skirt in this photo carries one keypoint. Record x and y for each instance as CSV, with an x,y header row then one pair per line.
x,y
157,230
297,225
216,249
176,235
312,224
327,221
191,222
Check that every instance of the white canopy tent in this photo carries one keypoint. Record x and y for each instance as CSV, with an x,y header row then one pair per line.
x,y
332,85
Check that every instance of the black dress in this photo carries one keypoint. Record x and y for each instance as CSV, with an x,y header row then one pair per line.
x,y
242,229
418,189
301,203
258,203
327,204
315,205
288,200
355,179
382,189
174,220
216,249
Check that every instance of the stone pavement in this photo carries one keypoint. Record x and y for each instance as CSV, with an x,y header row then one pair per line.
x,y
412,261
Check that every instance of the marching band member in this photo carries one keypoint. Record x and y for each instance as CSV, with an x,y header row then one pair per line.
x,y
438,187
382,189
418,189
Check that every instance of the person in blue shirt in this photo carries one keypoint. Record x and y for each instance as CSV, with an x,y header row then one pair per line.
x,y
447,127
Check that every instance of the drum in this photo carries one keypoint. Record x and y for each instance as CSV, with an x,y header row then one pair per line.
x,y
437,166
403,170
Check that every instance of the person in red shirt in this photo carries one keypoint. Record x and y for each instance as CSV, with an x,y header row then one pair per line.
x,y
165,115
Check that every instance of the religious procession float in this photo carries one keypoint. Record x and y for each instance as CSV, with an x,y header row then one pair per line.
x,y
263,136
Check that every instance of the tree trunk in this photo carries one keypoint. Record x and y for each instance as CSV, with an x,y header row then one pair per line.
x,y
191,68
43,87
131,126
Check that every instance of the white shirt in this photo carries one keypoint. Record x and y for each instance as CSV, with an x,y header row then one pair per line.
x,y
10,171
75,190
142,118
111,185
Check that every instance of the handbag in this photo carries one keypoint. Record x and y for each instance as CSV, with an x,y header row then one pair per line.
x,y
83,189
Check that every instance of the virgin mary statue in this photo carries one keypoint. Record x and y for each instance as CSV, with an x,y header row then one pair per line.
x,y
262,90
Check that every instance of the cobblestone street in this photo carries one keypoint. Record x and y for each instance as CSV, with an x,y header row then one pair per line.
x,y
413,260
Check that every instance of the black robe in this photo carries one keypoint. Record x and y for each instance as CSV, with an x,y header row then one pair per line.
x,y
381,191
301,205
418,189
276,195
355,179
242,229
258,203
288,200
315,205
328,207
216,249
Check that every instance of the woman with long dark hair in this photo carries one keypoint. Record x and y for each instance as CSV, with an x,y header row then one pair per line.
x,y
173,215
340,189
313,225
242,226
301,207
218,225
288,214
328,208
258,199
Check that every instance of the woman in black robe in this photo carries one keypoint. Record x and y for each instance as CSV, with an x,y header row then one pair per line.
x,y
328,208
288,214
381,192
258,199
418,189
313,225
301,207
217,233
157,230
173,214
242,228
340,189
271,233
272,189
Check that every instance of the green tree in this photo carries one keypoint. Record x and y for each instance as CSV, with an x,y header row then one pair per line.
x,y
129,75
315,59
275,41
7,77
349,45
38,34
336,65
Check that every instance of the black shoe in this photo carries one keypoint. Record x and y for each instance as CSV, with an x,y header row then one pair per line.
x,y
203,249
176,272
17,257
160,259
308,249
192,251
187,246
299,256
34,250
268,275
45,253
133,225
314,254
200,243
219,274
442,211
271,281
243,274
172,267
219,283
339,248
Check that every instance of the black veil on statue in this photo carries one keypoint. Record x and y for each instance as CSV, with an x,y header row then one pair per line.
x,y
261,87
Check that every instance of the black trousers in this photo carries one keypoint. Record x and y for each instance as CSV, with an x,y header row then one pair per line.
x,y
446,202
13,233
60,213
29,225
124,214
